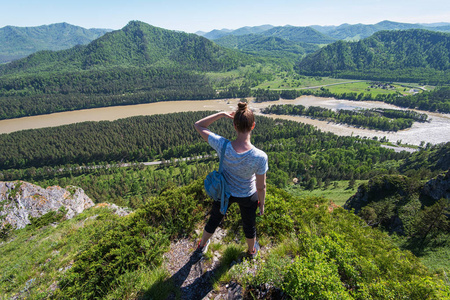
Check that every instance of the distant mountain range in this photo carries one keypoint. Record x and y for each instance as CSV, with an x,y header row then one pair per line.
x,y
265,40
19,42
330,33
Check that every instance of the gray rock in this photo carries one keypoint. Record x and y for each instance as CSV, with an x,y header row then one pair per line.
x,y
438,187
19,200
234,291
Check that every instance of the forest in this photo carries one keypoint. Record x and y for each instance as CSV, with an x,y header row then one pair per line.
x,y
380,119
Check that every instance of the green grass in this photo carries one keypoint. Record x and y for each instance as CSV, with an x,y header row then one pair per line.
x,y
240,75
338,191
48,251
437,260
293,81
34,260
368,88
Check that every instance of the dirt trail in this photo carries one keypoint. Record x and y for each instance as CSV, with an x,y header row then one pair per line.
x,y
193,275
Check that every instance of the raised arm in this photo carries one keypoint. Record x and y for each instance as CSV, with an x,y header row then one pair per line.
x,y
261,190
202,125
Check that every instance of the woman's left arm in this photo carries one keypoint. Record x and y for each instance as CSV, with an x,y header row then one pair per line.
x,y
202,125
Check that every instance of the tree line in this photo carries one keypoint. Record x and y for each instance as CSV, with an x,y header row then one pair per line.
x,y
380,119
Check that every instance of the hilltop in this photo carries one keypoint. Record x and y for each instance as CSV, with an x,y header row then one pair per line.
x,y
270,46
19,42
312,249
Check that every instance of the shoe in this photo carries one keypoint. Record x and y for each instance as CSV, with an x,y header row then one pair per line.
x,y
255,251
201,250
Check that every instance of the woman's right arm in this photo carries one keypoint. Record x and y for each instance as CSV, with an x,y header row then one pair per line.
x,y
202,125
261,190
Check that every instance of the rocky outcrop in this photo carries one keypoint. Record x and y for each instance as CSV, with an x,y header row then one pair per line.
x,y
20,200
438,188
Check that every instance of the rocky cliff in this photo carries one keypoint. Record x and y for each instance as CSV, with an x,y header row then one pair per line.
x,y
20,200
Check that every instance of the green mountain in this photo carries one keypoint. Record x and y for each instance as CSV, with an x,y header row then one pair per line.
x,y
385,54
299,34
216,33
19,42
137,44
266,46
251,30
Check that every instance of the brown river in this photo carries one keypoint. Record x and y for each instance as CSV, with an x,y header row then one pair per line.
x,y
435,131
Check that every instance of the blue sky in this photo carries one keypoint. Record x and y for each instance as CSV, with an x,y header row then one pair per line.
x,y
191,16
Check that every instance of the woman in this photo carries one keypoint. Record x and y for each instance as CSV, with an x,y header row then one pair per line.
x,y
244,169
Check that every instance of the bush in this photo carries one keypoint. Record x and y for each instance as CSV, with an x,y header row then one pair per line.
x,y
5,231
48,218
313,277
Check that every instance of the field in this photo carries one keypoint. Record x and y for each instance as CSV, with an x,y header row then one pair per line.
x,y
374,88
284,81
338,191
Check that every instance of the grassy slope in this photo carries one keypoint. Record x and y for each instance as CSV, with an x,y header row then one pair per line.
x,y
34,261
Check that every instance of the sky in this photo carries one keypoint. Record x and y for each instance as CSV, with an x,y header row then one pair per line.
x,y
202,15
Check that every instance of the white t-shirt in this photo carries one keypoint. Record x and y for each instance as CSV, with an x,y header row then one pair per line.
x,y
239,169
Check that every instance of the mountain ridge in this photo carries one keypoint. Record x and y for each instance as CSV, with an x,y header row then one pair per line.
x,y
271,46
343,31
18,42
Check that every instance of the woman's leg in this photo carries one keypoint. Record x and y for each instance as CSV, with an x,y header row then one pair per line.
x,y
248,208
213,222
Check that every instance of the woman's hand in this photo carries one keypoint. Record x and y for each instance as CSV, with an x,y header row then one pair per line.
x,y
230,114
202,125
261,208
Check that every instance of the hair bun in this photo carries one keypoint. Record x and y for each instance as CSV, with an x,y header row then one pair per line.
x,y
242,106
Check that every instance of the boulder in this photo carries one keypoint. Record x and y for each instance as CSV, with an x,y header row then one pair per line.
x,y
19,200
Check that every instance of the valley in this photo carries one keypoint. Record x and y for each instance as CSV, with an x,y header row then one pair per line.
x,y
349,214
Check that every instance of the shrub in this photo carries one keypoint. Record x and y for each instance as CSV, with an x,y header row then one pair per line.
x,y
313,277
5,231
48,218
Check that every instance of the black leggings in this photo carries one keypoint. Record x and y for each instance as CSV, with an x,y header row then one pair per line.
x,y
248,206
